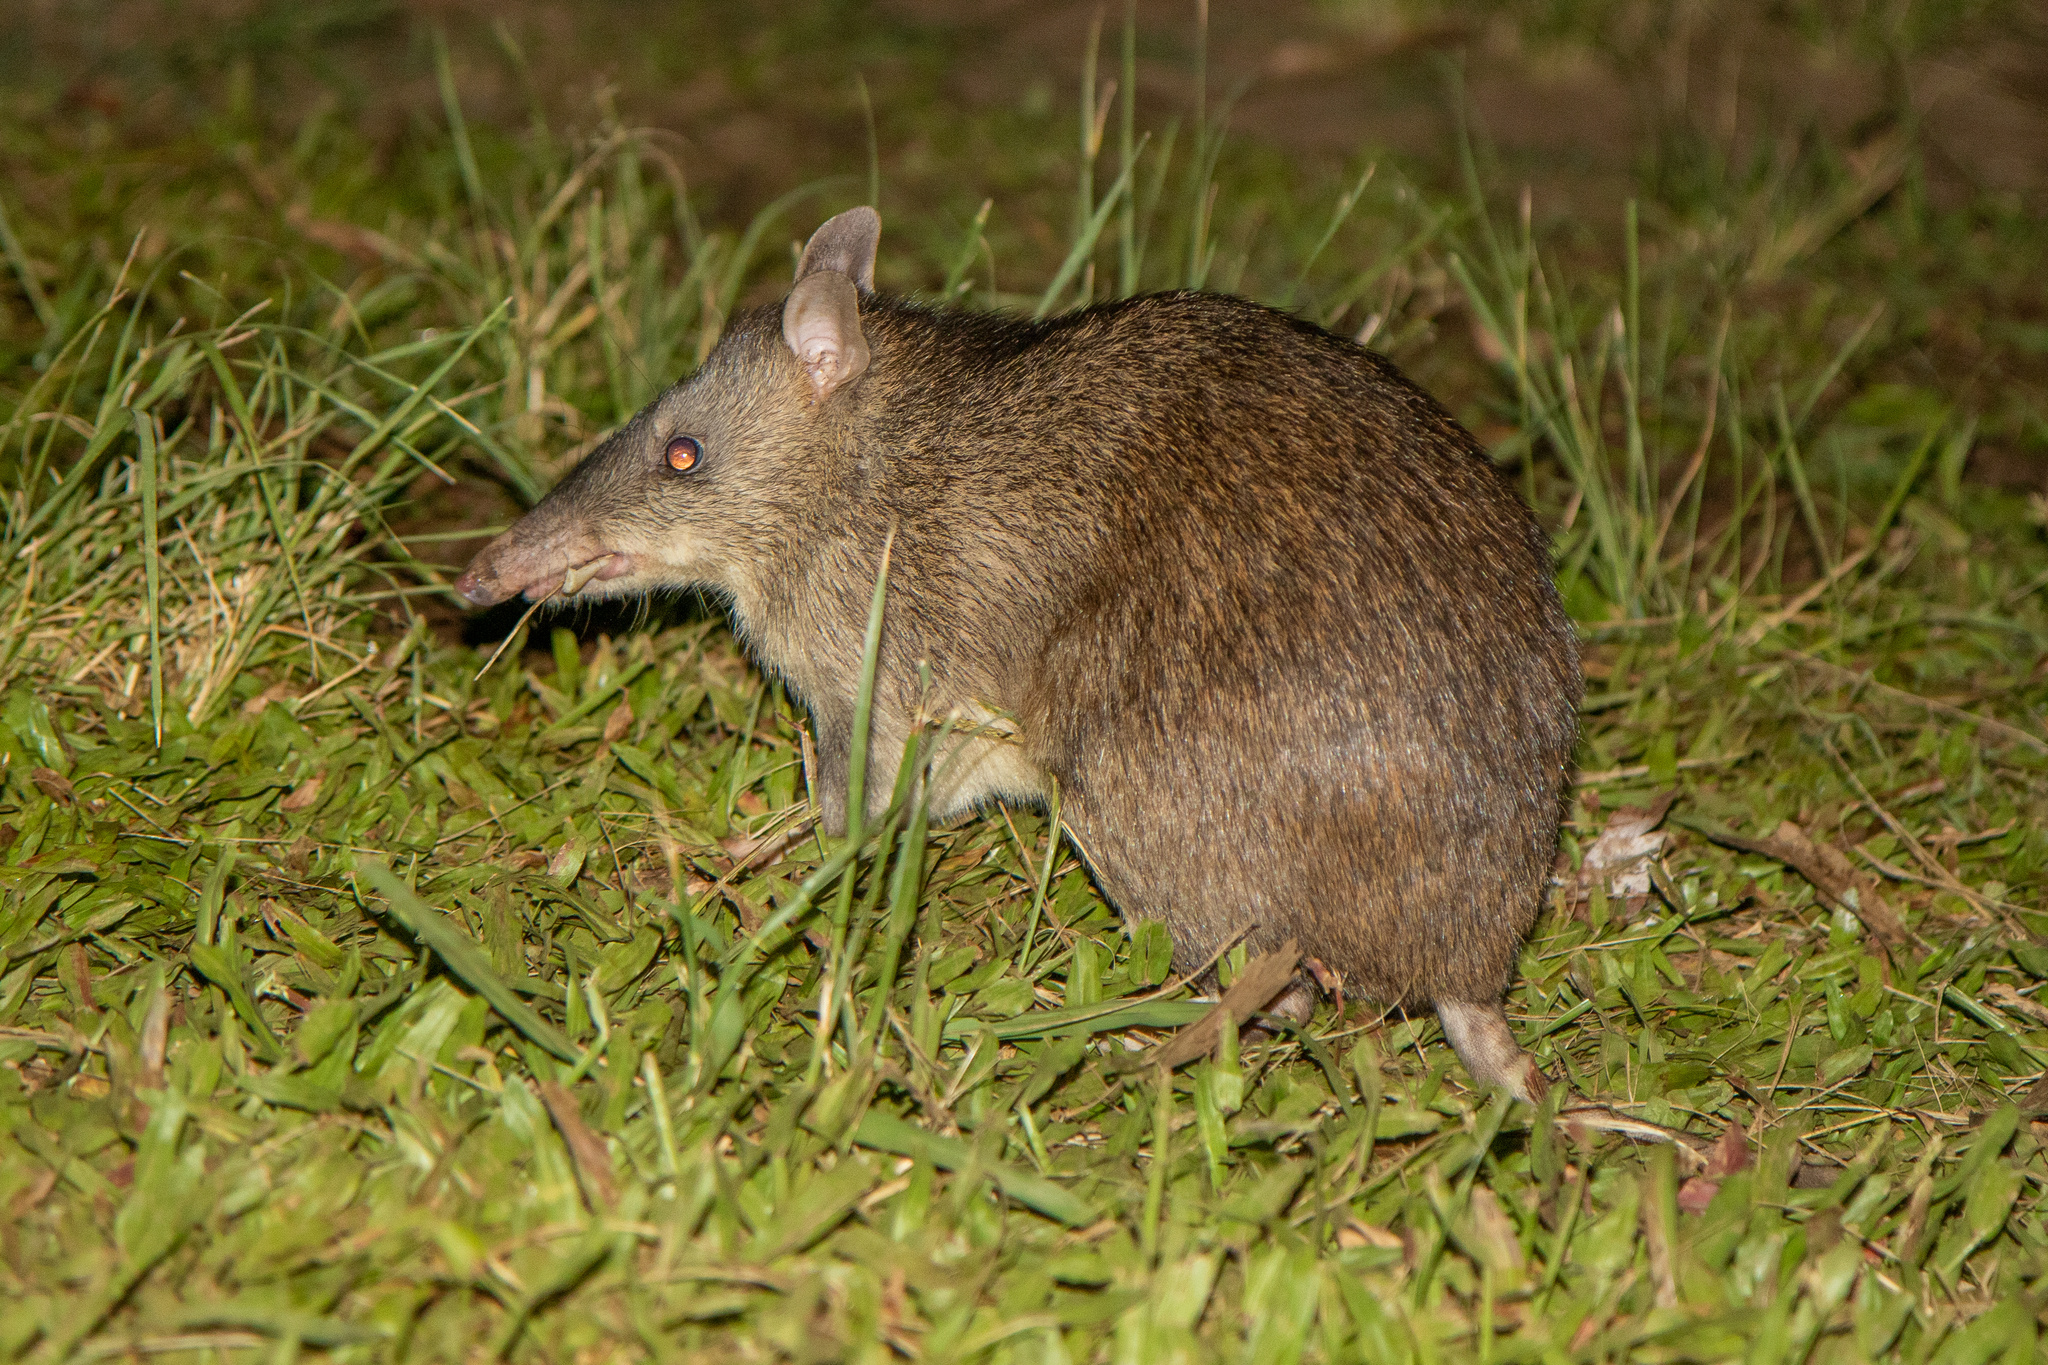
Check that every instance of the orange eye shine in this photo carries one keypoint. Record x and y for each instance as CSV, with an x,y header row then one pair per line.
x,y
683,453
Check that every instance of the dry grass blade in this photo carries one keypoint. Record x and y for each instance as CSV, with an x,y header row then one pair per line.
x,y
1771,621
586,1149
1262,979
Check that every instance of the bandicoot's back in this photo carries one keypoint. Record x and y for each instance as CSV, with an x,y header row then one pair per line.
x,y
1273,622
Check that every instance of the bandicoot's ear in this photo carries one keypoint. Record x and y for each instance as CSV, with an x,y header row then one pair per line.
x,y
821,325
845,245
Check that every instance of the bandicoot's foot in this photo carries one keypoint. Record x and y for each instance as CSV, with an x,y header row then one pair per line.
x,y
1487,1047
1480,1035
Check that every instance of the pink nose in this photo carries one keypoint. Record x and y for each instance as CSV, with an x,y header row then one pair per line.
x,y
482,591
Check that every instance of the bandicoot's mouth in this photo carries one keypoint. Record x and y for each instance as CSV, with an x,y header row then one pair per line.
x,y
483,585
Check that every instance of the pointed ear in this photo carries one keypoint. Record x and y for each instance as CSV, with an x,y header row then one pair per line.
x,y
821,325
845,245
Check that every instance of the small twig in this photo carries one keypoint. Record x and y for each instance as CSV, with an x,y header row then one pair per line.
x,y
588,1154
1824,867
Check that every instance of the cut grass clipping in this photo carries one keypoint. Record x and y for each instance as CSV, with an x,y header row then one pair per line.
x,y
352,1004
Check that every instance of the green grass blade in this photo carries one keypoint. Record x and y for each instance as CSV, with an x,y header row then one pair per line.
x,y
152,565
1108,1017
1795,470
480,202
1346,202
864,698
970,251
867,117
887,1133
1127,155
1084,246
26,275
1054,831
420,392
460,953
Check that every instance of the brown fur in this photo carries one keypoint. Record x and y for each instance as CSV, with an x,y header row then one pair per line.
x,y
1282,634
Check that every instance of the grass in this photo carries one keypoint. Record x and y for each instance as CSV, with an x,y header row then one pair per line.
x,y
358,1003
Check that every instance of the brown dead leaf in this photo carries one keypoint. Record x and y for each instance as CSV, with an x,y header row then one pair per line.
x,y
260,703
1493,1234
1837,882
593,1160
1620,857
1696,1194
359,244
303,795
76,977
54,785
1729,1154
1588,1329
650,879
156,1027
2012,1002
618,722
1328,979
1255,987
752,851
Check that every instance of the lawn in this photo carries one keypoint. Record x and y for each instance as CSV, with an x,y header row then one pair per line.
x,y
372,993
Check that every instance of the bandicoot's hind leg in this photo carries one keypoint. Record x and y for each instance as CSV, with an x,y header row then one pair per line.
x,y
1480,1035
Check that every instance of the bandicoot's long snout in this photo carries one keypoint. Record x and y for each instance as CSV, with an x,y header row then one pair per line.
x,y
540,555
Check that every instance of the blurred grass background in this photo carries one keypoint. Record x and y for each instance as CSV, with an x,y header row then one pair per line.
x,y
354,1005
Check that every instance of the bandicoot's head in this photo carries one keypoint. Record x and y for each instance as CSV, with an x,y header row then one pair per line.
x,y
707,481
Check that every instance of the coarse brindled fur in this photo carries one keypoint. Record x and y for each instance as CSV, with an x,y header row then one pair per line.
x,y
1283,635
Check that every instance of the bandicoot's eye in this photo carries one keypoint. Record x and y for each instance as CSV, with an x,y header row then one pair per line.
x,y
684,452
